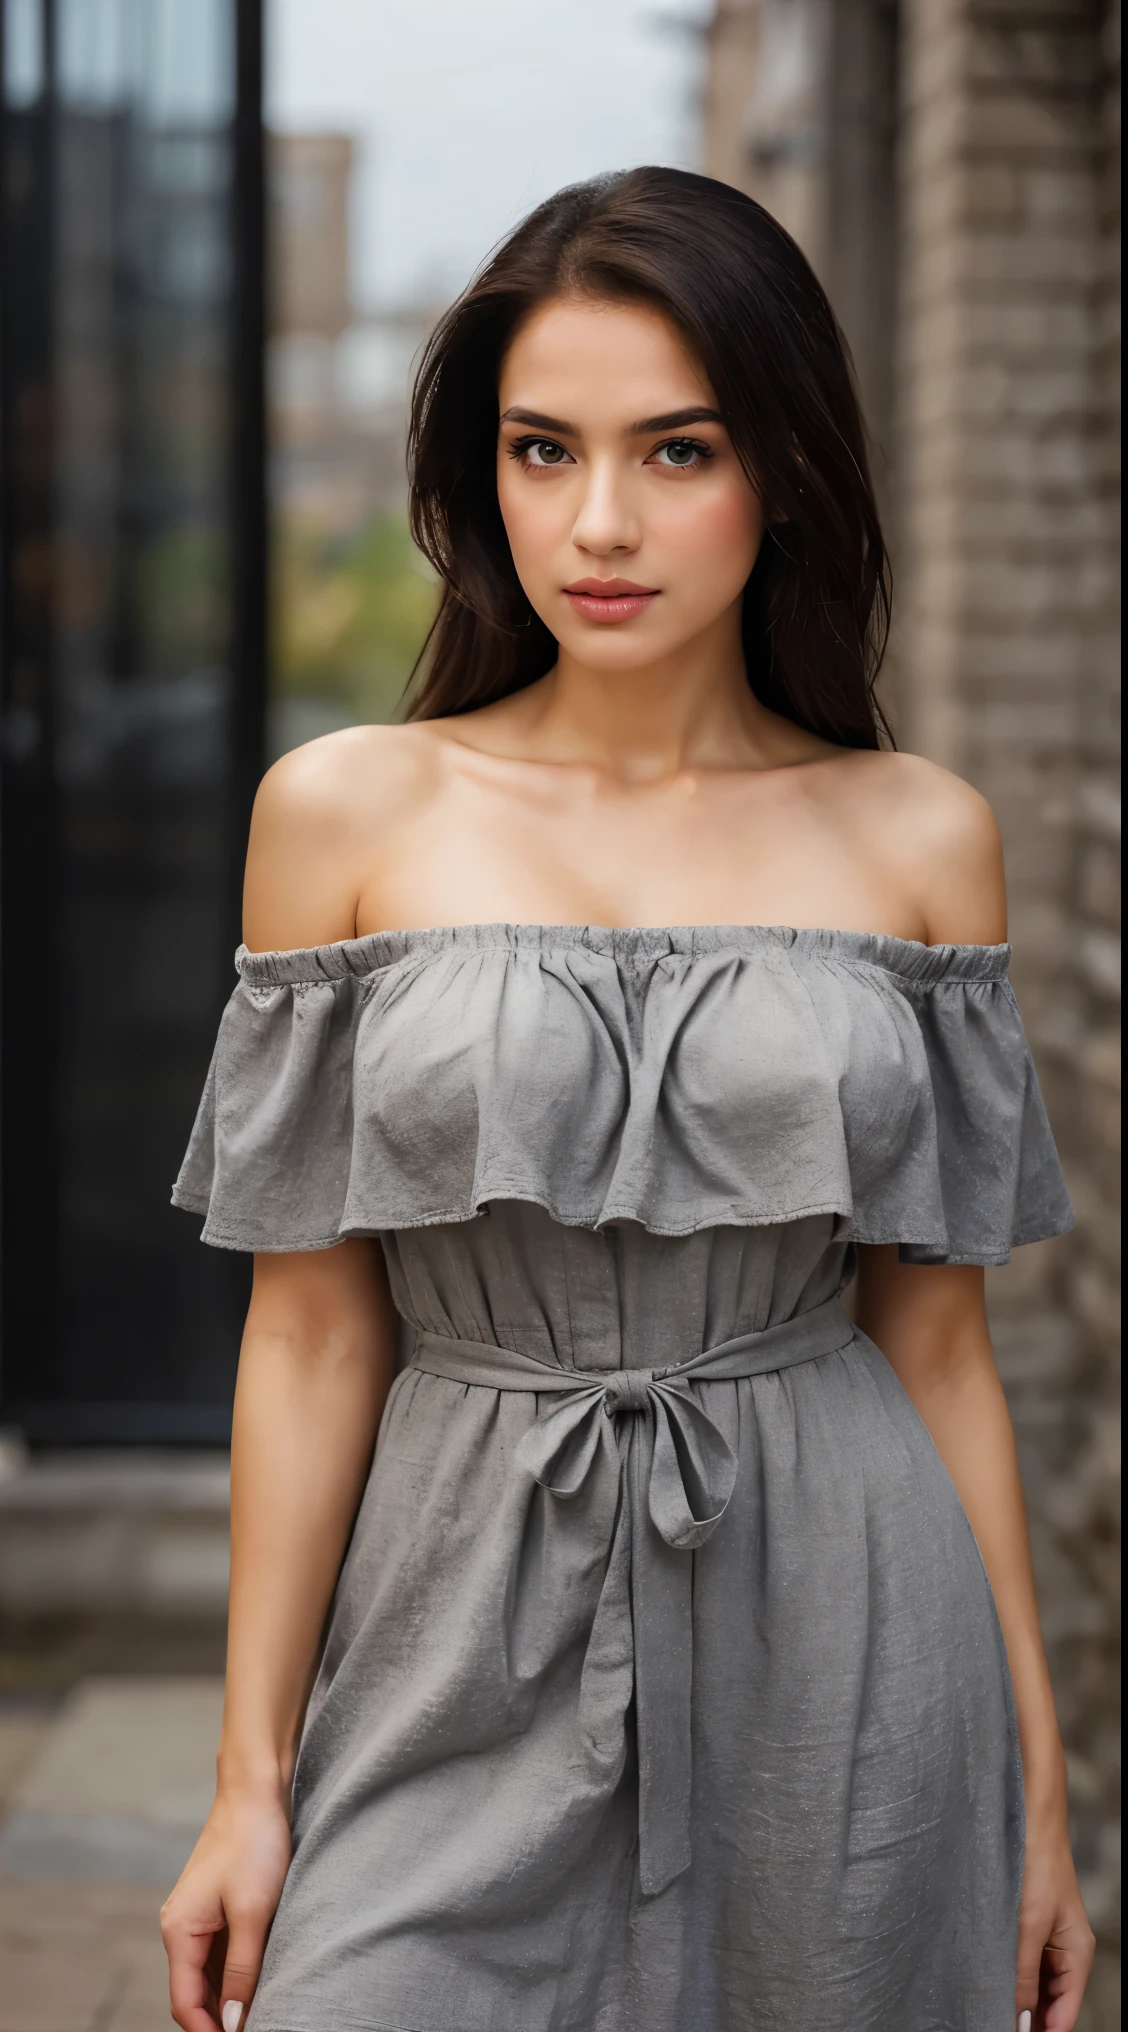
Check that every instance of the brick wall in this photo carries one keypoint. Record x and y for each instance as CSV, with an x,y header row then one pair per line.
x,y
1006,671
1001,442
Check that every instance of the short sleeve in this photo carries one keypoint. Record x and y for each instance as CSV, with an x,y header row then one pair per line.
x,y
268,1161
1001,1182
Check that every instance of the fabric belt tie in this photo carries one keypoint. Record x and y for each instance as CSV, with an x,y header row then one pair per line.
x,y
676,1471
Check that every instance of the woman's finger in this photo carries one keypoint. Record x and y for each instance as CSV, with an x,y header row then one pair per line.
x,y
1031,1940
1068,1960
248,1927
189,1945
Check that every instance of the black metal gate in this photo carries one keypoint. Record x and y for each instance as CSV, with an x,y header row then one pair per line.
x,y
133,552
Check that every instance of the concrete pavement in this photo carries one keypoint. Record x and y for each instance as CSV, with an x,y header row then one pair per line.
x,y
101,1799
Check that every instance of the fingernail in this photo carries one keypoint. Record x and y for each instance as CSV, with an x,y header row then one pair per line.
x,y
1025,2020
232,2017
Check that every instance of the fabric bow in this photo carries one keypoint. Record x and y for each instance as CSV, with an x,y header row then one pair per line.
x,y
690,1468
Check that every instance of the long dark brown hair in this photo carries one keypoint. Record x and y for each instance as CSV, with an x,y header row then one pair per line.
x,y
816,606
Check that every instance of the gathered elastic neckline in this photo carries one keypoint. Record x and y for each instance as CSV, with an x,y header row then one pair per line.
x,y
632,944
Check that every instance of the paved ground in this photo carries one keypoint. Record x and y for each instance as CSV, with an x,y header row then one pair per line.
x,y
101,1796
113,1587
85,1959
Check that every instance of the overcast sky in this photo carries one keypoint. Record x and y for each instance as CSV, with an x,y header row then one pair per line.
x,y
468,112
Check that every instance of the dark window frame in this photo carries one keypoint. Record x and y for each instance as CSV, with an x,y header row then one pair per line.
x,y
30,1267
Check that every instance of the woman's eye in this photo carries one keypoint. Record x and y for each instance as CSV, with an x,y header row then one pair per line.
x,y
541,452
682,452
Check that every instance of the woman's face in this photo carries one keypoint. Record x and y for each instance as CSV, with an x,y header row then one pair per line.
x,y
632,522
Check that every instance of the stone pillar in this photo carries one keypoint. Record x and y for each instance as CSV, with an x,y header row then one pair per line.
x,y
800,112
1006,672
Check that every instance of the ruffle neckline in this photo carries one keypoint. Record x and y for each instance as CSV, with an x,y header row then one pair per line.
x,y
627,945
677,1077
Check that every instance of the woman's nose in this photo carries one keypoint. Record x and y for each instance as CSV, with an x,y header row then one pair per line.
x,y
607,520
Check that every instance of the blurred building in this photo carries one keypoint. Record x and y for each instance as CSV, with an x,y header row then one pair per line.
x,y
951,169
351,603
309,193
338,375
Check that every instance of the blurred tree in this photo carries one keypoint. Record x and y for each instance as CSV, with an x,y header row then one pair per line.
x,y
350,616
181,589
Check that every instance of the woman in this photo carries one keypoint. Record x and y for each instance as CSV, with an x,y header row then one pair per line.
x,y
661,1688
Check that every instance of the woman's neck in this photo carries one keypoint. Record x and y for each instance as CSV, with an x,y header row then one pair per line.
x,y
691,711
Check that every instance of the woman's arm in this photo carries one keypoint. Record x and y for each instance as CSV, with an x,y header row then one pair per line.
x,y
931,1326
942,840
314,1371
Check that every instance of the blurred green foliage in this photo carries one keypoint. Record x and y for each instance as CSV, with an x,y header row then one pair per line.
x,y
350,615
182,598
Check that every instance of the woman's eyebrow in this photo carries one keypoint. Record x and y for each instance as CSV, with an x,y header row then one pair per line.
x,y
539,422
675,420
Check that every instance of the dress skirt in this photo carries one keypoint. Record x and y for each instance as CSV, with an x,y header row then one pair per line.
x,y
467,1803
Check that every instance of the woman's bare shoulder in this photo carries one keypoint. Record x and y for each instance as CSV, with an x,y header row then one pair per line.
x,y
940,835
322,815
348,776
904,784
943,835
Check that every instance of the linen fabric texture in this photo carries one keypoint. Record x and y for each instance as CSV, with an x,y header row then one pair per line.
x,y
663,1690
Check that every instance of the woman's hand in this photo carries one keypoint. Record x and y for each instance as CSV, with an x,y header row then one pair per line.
x,y
317,1359
216,1921
930,1323
1055,1940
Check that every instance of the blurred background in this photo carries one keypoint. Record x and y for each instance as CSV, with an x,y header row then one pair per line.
x,y
226,229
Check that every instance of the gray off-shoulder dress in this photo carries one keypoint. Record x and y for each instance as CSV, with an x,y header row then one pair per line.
x,y
663,1690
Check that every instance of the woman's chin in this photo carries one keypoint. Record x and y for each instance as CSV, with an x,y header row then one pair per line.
x,y
620,647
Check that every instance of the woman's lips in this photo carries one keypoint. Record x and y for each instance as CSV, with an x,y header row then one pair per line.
x,y
609,599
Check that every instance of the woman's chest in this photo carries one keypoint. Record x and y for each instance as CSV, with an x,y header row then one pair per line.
x,y
634,857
